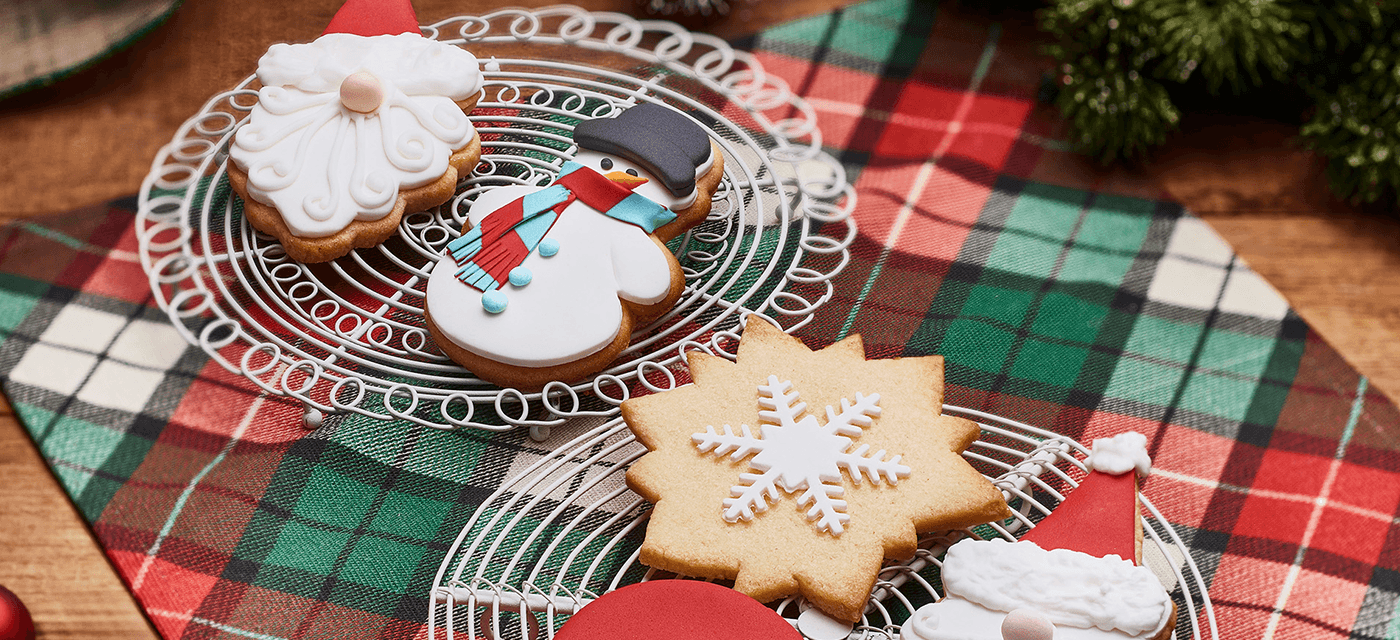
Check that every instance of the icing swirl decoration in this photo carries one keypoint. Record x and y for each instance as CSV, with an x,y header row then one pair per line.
x,y
346,121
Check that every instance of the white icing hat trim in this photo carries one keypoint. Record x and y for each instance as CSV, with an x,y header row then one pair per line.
x,y
1071,588
1120,454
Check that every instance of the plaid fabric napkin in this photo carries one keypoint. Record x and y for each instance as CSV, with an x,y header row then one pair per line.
x,y
1082,312
45,41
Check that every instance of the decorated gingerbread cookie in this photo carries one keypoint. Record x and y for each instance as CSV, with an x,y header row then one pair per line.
x,y
1072,577
353,130
676,610
797,471
548,283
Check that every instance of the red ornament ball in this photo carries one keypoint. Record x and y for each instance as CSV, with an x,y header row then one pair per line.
x,y
15,623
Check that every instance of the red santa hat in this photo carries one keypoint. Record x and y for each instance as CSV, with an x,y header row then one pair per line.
x,y
1100,517
374,18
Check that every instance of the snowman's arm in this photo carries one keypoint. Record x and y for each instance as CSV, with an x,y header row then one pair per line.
x,y
641,266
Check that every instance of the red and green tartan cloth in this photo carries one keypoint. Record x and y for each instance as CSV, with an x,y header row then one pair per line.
x,y
1081,312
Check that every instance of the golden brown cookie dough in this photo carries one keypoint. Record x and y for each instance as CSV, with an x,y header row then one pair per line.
x,y
779,551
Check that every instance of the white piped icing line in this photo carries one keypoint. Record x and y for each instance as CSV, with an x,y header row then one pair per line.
x,y
799,453
1084,597
323,164
1120,454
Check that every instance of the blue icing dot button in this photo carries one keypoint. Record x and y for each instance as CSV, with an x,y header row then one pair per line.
x,y
521,276
493,301
549,247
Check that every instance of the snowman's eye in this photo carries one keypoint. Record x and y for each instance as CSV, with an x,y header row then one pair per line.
x,y
632,172
606,164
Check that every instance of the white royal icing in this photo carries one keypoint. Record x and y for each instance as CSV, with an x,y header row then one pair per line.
x,y
801,453
323,165
570,309
1120,454
1085,597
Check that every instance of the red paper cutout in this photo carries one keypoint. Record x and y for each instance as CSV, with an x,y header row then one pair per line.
x,y
374,18
1098,518
676,610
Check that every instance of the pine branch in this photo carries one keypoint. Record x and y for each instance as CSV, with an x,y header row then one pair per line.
x,y
1108,52
1232,43
1357,126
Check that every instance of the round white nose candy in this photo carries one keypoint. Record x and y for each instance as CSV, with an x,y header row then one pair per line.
x,y
1027,624
361,92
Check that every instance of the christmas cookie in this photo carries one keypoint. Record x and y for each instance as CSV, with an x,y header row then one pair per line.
x,y
548,283
1072,577
676,610
797,471
353,130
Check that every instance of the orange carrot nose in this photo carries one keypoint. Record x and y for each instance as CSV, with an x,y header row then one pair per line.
x,y
626,179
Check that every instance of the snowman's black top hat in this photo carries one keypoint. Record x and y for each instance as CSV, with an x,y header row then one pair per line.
x,y
669,145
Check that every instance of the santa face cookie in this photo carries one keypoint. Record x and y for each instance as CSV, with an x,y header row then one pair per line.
x,y
1071,577
548,283
1074,595
349,133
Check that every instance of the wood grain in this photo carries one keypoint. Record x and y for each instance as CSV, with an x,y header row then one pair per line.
x,y
1337,264
48,556
105,124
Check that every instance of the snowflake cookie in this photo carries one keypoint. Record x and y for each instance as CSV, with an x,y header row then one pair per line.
x,y
798,471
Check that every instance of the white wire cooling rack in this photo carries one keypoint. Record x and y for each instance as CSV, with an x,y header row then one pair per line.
x,y
348,336
566,529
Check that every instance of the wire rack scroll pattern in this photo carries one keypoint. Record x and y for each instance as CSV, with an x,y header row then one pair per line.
x,y
566,529
348,336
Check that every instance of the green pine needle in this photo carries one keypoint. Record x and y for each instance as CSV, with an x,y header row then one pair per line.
x,y
1106,54
1357,126
1118,62
1232,43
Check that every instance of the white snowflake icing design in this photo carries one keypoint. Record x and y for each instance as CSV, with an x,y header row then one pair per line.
x,y
799,453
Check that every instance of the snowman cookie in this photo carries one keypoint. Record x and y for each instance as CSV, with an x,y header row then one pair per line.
x,y
548,283
353,130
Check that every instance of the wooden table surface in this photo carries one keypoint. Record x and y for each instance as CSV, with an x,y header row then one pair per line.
x,y
1337,265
